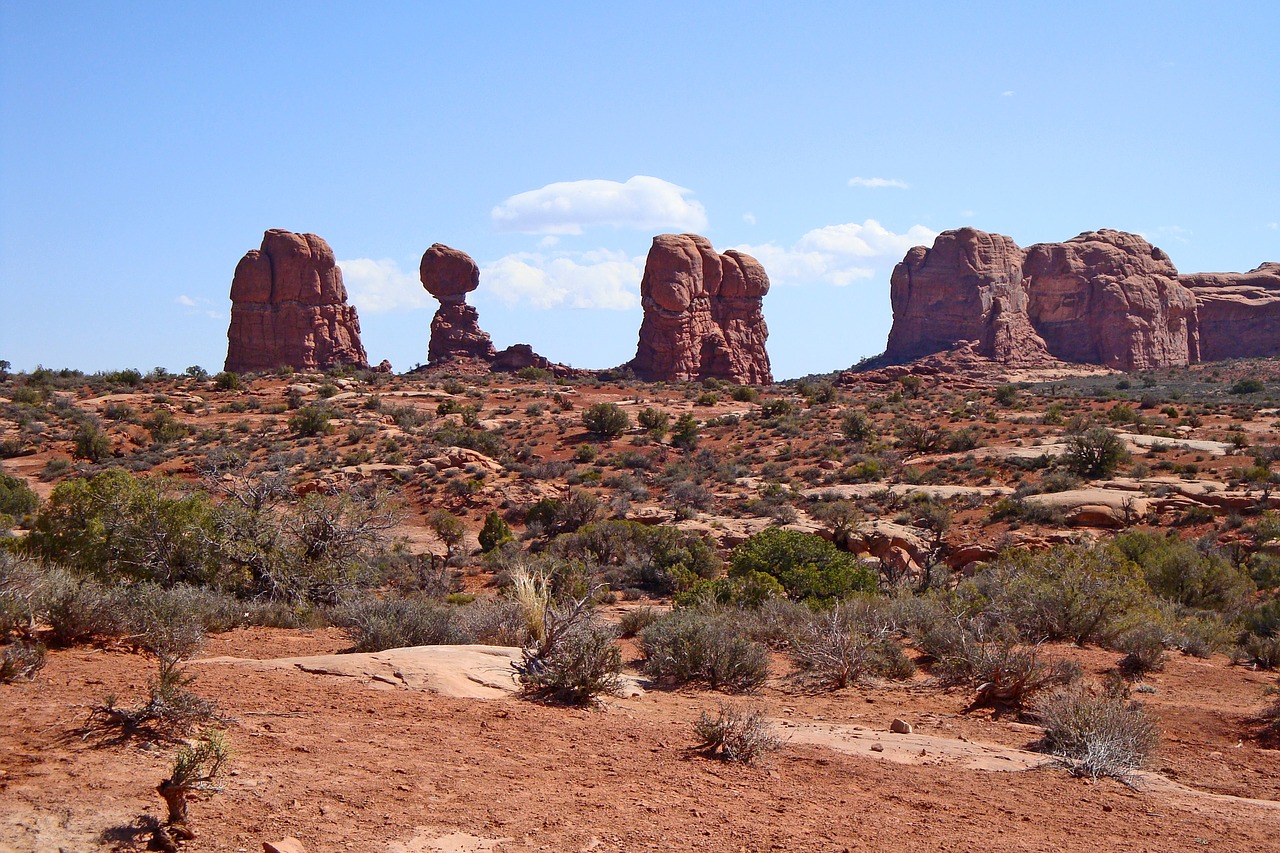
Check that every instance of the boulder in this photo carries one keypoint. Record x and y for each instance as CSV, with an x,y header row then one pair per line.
x,y
699,321
1108,297
289,308
449,275
1239,313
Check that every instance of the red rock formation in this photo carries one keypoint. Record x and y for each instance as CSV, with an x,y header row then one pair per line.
x,y
289,308
1108,297
449,275
693,330
968,287
1239,312
1104,297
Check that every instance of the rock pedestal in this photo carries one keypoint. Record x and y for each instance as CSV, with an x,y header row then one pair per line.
x,y
702,314
289,308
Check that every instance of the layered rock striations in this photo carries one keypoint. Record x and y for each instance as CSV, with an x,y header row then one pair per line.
x,y
1105,297
703,315
289,308
1239,312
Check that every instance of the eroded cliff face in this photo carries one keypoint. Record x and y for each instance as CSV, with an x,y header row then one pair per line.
x,y
968,287
1239,313
1105,297
289,308
1111,298
703,314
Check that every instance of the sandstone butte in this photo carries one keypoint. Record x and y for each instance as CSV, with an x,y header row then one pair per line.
x,y
702,314
449,275
1105,297
289,308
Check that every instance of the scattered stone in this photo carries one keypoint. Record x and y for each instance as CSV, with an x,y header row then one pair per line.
x,y
284,845
899,726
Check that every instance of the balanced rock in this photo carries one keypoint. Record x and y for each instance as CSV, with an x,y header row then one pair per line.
x,y
1108,297
693,327
449,275
289,308
1239,312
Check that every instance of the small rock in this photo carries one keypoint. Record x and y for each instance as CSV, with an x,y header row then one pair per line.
x,y
284,845
901,727
877,747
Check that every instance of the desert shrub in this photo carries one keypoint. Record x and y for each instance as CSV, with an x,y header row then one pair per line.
x,y
494,532
1006,395
117,526
164,428
582,664
851,639
1184,574
1095,453
1261,652
1143,649
16,497
856,426
628,553
20,660
174,620
311,420
735,734
745,394
750,590
1248,385
195,769
636,620
655,421
171,710
691,645
499,622
1077,593
227,381
606,420
685,433
375,624
807,566
1096,734
78,609
90,442
922,438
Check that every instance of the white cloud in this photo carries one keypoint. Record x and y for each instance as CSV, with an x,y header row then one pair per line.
x,y
1007,93
569,207
749,218
379,287
877,183
598,279
838,254
1274,226
186,301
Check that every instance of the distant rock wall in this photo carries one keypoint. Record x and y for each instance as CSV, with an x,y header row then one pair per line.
x,y
1105,297
1239,312
703,314
289,308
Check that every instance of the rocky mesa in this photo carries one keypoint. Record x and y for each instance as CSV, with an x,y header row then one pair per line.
x,y
1104,297
289,308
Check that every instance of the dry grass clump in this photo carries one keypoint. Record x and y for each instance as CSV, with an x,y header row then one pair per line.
x,y
737,733
1096,733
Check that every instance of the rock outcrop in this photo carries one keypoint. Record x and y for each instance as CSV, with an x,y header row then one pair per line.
x,y
968,287
449,275
1111,298
702,314
289,308
1239,312
1105,297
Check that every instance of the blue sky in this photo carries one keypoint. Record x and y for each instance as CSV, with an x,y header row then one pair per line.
x,y
145,147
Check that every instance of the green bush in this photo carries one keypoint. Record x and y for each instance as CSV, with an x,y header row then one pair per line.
x,y
1095,453
856,426
310,421
606,420
628,553
690,645
16,497
583,664
1248,385
1184,574
495,532
685,434
227,381
90,442
807,566
655,421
